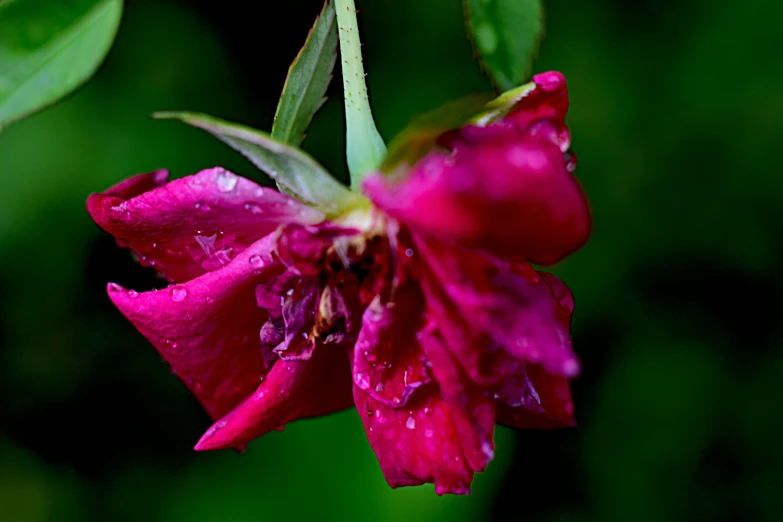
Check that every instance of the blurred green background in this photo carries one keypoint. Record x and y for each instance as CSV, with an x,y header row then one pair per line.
x,y
676,118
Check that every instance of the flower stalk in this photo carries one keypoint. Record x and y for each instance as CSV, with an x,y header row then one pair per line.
x,y
365,148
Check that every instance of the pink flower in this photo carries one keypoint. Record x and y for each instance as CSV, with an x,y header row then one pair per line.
x,y
421,309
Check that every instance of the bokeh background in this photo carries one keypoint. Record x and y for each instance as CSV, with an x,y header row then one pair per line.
x,y
676,118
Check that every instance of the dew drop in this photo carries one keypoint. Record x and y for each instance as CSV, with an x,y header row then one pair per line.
x,y
178,294
428,432
571,368
226,181
486,448
132,293
362,380
409,252
256,261
253,208
410,423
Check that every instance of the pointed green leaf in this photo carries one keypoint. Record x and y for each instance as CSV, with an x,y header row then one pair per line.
x,y
506,35
293,169
308,78
48,48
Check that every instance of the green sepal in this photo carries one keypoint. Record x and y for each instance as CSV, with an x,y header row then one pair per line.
x,y
293,170
422,134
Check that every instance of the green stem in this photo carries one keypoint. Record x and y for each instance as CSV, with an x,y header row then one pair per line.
x,y
365,148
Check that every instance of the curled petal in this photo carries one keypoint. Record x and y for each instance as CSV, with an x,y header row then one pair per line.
x,y
388,362
299,313
292,390
506,193
547,101
301,247
472,406
417,444
207,329
195,224
482,304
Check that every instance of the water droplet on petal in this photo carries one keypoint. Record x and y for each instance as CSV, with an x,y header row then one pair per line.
x,y
570,159
428,432
571,368
253,208
226,181
486,448
362,380
132,293
256,261
178,294
410,423
409,252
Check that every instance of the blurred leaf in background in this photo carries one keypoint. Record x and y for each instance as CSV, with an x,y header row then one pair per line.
x,y
675,116
50,47
506,35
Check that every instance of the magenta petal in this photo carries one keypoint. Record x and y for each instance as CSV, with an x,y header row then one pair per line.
x,y
507,193
417,444
195,224
472,407
299,308
292,390
477,298
548,101
208,328
388,362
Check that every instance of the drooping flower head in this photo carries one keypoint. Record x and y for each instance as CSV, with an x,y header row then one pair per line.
x,y
415,302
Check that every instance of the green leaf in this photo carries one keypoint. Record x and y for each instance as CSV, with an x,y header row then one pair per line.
x,y
293,169
308,77
506,35
48,48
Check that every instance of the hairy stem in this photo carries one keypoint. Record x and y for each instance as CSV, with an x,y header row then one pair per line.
x,y
365,148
